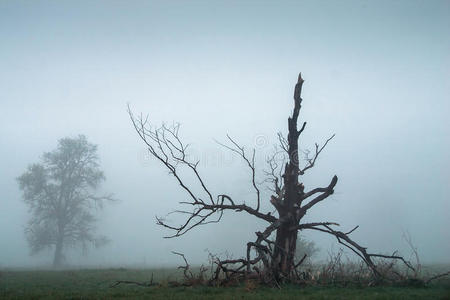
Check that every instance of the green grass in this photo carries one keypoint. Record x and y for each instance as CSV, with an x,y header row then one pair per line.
x,y
95,284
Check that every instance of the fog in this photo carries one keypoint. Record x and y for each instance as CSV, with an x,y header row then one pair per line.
x,y
377,74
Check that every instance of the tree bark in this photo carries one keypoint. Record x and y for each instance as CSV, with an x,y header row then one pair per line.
x,y
57,259
285,245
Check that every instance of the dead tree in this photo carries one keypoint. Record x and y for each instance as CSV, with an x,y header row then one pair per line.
x,y
271,260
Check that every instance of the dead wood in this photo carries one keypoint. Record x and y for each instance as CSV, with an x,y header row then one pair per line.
x,y
270,260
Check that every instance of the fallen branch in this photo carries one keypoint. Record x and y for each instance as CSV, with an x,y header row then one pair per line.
x,y
144,284
437,277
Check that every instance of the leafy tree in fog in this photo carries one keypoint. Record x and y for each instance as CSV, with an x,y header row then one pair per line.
x,y
306,248
59,192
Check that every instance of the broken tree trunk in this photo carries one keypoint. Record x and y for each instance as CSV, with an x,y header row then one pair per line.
x,y
286,235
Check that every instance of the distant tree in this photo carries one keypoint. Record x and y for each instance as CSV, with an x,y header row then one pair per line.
x,y
305,248
59,194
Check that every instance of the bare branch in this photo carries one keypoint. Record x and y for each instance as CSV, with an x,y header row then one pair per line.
x,y
144,284
345,240
437,277
312,161
325,193
236,148
165,145
186,268
283,142
274,175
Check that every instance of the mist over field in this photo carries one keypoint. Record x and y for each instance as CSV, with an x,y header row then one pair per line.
x,y
377,74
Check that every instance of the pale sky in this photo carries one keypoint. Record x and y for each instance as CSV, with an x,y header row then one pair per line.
x,y
377,73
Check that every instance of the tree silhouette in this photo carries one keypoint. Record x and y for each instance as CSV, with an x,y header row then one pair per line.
x,y
59,194
272,260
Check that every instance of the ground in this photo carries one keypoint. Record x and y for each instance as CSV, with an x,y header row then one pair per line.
x,y
95,284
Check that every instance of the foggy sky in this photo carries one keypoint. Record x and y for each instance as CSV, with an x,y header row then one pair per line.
x,y
377,73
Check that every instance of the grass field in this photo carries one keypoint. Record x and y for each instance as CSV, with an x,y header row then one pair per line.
x,y
95,284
